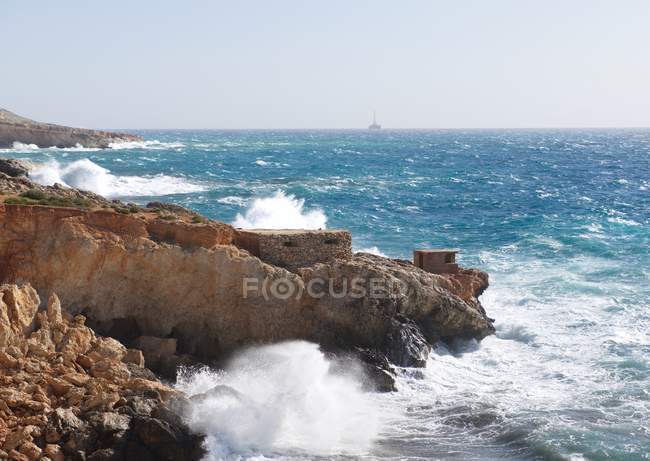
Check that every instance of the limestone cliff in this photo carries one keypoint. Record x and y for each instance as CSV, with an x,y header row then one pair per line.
x,y
14,128
182,280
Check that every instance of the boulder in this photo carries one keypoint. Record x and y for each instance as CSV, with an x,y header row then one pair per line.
x,y
155,350
14,168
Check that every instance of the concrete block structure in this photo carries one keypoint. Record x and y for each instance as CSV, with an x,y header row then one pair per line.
x,y
294,248
442,261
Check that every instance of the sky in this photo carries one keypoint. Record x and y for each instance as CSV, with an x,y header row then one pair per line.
x,y
327,64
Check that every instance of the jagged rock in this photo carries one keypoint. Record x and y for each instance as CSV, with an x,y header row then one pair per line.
x,y
19,305
14,168
63,387
167,441
155,349
378,369
54,452
134,356
404,345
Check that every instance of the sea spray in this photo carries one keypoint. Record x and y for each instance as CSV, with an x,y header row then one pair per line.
x,y
280,211
86,175
282,398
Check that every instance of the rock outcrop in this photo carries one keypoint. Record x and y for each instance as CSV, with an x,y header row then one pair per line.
x,y
67,393
155,279
14,128
14,168
185,281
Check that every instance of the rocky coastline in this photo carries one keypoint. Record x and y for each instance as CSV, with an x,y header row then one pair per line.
x,y
17,129
161,286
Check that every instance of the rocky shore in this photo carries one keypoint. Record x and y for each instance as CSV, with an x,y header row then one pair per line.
x,y
17,129
166,287
70,394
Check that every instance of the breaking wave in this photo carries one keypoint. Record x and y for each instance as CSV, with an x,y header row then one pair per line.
x,y
281,398
87,175
374,250
280,211
20,148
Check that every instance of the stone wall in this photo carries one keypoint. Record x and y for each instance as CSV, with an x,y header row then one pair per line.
x,y
292,248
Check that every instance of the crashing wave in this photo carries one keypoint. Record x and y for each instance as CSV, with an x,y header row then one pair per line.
x,y
87,175
280,211
286,397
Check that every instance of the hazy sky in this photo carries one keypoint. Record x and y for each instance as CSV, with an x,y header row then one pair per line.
x,y
327,64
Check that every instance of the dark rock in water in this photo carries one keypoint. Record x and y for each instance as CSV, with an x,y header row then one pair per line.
x,y
166,441
14,128
405,345
378,369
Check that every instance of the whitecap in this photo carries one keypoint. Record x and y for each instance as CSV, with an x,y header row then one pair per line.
x,y
233,200
154,144
625,222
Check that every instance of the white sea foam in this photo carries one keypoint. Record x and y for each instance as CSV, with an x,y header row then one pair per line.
x,y
20,148
233,200
153,144
87,175
286,397
280,211
623,221
261,162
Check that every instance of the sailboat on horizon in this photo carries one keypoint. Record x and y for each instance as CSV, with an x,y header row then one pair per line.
x,y
374,125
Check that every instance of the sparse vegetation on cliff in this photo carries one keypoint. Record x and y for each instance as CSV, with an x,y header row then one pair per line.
x,y
38,197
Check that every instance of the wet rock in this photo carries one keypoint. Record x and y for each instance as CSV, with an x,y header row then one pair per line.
x,y
405,345
167,441
378,369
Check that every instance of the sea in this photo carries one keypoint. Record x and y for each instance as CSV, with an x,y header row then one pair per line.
x,y
560,219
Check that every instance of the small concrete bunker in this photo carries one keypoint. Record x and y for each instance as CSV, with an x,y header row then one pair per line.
x,y
294,248
438,261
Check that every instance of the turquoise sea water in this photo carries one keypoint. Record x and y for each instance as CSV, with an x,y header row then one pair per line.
x,y
560,220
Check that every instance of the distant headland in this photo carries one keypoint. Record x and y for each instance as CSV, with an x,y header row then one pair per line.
x,y
17,129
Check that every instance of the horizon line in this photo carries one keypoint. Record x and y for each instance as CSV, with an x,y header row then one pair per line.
x,y
631,127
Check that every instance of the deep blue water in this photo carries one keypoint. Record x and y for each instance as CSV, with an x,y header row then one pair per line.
x,y
559,218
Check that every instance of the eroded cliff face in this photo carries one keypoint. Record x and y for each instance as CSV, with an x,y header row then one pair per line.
x,y
132,276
